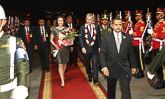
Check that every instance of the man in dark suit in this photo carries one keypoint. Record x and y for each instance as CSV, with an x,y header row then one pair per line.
x,y
116,56
90,45
26,34
42,35
73,48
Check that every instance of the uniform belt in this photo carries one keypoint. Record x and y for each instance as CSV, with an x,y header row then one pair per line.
x,y
137,38
141,45
161,42
9,86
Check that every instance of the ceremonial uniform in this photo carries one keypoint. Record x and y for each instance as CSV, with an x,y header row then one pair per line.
x,y
104,28
14,66
21,68
126,26
158,42
138,44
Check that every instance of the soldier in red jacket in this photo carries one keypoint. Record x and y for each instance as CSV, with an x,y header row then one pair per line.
x,y
127,25
138,42
158,39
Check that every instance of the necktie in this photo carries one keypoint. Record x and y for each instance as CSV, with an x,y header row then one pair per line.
x,y
70,25
118,43
43,37
27,36
90,29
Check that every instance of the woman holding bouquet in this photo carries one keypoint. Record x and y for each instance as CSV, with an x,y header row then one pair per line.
x,y
62,55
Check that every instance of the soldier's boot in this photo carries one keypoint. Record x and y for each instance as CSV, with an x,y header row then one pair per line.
x,y
160,85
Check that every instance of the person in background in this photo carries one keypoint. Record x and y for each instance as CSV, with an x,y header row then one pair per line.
x,y
26,34
42,43
73,48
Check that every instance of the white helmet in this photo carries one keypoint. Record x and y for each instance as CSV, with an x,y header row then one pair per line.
x,y
2,13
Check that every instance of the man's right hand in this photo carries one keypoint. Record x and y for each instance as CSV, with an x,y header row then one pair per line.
x,y
106,72
84,51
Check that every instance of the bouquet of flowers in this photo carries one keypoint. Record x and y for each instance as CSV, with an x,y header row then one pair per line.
x,y
65,38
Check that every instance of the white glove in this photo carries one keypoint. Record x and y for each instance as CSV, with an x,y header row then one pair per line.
x,y
55,53
150,31
130,31
20,92
150,76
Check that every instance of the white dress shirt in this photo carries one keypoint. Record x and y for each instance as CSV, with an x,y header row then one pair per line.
x,y
91,29
117,35
70,25
43,30
26,28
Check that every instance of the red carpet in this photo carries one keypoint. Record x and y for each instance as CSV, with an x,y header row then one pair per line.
x,y
76,85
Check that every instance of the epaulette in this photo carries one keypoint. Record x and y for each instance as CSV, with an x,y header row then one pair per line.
x,y
142,21
163,22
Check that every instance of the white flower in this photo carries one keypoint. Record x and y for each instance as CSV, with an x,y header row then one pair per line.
x,y
87,41
86,36
61,36
92,43
94,37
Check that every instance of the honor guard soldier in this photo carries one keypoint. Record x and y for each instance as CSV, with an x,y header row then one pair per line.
x,y
128,25
138,42
14,72
158,39
104,28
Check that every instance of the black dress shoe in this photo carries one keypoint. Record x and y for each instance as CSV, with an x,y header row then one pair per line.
x,y
62,86
96,83
30,70
160,85
47,70
140,74
90,79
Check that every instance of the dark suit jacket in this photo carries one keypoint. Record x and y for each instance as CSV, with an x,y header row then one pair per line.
x,y
83,43
22,34
114,61
38,37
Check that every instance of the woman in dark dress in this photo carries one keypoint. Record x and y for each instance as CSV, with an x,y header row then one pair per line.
x,y
62,56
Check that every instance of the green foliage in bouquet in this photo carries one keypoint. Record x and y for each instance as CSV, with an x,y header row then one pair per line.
x,y
71,34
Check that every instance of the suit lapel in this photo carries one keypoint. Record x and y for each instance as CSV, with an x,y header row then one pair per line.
x,y
123,41
112,38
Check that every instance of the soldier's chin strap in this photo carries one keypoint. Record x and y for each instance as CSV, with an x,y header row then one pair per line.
x,y
1,24
160,16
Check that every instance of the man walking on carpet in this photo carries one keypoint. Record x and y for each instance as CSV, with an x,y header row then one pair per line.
x,y
90,45
116,56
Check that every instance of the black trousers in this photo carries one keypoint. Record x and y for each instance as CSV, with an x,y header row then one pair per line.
x,y
44,57
124,82
136,49
73,56
160,70
94,57
30,49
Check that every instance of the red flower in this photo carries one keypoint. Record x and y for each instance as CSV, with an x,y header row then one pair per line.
x,y
86,33
86,38
63,33
85,27
94,33
94,28
93,40
68,31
